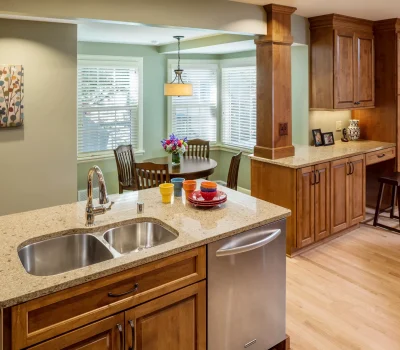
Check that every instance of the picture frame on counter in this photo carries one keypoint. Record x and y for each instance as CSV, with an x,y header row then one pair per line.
x,y
317,136
328,138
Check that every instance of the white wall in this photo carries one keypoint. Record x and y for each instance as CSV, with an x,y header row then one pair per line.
x,y
38,161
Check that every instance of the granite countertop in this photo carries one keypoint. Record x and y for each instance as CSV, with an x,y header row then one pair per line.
x,y
310,155
194,227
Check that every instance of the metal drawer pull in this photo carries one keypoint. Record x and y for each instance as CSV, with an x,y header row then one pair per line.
x,y
135,288
381,155
245,248
121,336
133,334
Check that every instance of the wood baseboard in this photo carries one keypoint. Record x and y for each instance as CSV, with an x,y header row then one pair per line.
x,y
298,251
285,345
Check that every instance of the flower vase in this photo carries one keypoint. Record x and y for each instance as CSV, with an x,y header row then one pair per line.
x,y
354,130
176,159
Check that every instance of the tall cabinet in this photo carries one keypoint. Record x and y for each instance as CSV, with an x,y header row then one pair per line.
x,y
342,63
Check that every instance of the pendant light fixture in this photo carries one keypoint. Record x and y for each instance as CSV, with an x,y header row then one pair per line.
x,y
177,87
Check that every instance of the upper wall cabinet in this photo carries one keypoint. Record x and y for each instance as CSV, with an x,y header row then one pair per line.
x,y
342,63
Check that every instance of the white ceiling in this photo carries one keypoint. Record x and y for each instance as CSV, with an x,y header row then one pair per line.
x,y
367,9
136,33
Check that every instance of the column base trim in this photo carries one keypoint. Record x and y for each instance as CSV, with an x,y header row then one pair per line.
x,y
274,153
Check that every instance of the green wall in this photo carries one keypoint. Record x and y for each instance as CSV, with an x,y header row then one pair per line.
x,y
300,100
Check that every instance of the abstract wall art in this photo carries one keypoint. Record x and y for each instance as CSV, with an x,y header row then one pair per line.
x,y
11,96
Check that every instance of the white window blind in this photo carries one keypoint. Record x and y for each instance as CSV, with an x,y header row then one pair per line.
x,y
239,106
196,116
108,106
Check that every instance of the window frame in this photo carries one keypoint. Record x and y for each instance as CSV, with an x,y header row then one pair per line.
x,y
223,63
188,63
234,63
122,61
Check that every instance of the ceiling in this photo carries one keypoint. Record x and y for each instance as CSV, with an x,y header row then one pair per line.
x,y
367,9
136,33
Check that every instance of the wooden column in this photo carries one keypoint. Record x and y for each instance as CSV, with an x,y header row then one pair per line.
x,y
274,87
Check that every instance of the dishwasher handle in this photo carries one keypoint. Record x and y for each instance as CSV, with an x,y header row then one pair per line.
x,y
245,248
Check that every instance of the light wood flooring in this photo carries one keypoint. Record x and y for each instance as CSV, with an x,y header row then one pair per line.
x,y
346,294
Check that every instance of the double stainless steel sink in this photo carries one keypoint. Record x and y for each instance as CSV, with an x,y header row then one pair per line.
x,y
70,252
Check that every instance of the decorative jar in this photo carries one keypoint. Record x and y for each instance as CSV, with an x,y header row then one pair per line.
x,y
354,130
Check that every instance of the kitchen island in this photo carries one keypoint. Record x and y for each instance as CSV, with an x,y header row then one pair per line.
x,y
38,309
324,187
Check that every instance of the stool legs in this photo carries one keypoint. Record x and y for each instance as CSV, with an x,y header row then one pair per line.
x,y
378,203
393,202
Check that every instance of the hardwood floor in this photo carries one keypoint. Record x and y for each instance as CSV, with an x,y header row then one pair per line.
x,y
346,293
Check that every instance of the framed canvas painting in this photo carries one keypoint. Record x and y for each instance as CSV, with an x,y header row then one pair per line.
x,y
11,96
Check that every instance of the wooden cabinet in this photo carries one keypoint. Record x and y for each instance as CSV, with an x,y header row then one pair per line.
x,y
339,194
107,334
313,202
342,63
356,190
347,192
175,321
69,310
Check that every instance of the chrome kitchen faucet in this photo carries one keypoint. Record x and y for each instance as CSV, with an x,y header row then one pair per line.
x,y
92,211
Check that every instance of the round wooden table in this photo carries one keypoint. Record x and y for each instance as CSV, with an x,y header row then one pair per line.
x,y
191,168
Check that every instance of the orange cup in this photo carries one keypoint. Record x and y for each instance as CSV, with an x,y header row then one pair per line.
x,y
189,186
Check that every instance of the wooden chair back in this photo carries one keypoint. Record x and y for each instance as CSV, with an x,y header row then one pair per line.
x,y
149,175
234,172
125,159
198,148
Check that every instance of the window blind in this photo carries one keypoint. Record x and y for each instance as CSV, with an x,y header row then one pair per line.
x,y
196,116
239,106
108,106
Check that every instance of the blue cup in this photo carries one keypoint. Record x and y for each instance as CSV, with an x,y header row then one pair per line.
x,y
178,183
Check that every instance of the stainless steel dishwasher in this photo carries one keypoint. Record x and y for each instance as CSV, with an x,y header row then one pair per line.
x,y
247,289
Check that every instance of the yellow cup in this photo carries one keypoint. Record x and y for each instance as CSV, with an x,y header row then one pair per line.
x,y
166,191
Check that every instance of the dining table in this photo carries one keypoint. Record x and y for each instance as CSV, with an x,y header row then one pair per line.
x,y
190,168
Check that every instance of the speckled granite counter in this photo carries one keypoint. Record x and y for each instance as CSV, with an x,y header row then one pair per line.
x,y
194,227
310,155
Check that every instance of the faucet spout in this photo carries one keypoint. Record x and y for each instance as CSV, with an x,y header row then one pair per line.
x,y
92,211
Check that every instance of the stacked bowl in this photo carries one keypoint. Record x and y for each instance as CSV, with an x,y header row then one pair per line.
x,y
208,190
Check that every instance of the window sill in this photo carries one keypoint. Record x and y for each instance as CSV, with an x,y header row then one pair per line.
x,y
104,156
231,149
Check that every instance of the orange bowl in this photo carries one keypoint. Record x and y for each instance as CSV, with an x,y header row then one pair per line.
x,y
208,184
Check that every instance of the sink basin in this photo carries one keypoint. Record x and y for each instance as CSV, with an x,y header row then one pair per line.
x,y
62,254
136,237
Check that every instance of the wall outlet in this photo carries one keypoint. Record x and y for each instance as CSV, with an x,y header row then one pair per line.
x,y
339,125
283,129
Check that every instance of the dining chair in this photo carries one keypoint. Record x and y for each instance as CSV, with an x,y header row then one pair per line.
x,y
125,159
198,148
149,175
233,173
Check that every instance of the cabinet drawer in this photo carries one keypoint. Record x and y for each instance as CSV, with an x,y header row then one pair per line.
x,y
51,315
380,156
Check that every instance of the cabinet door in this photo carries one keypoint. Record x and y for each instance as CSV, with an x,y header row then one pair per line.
x,y
356,190
175,321
339,195
106,334
305,206
344,65
322,201
365,76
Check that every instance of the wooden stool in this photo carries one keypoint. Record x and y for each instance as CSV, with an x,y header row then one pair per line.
x,y
393,181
